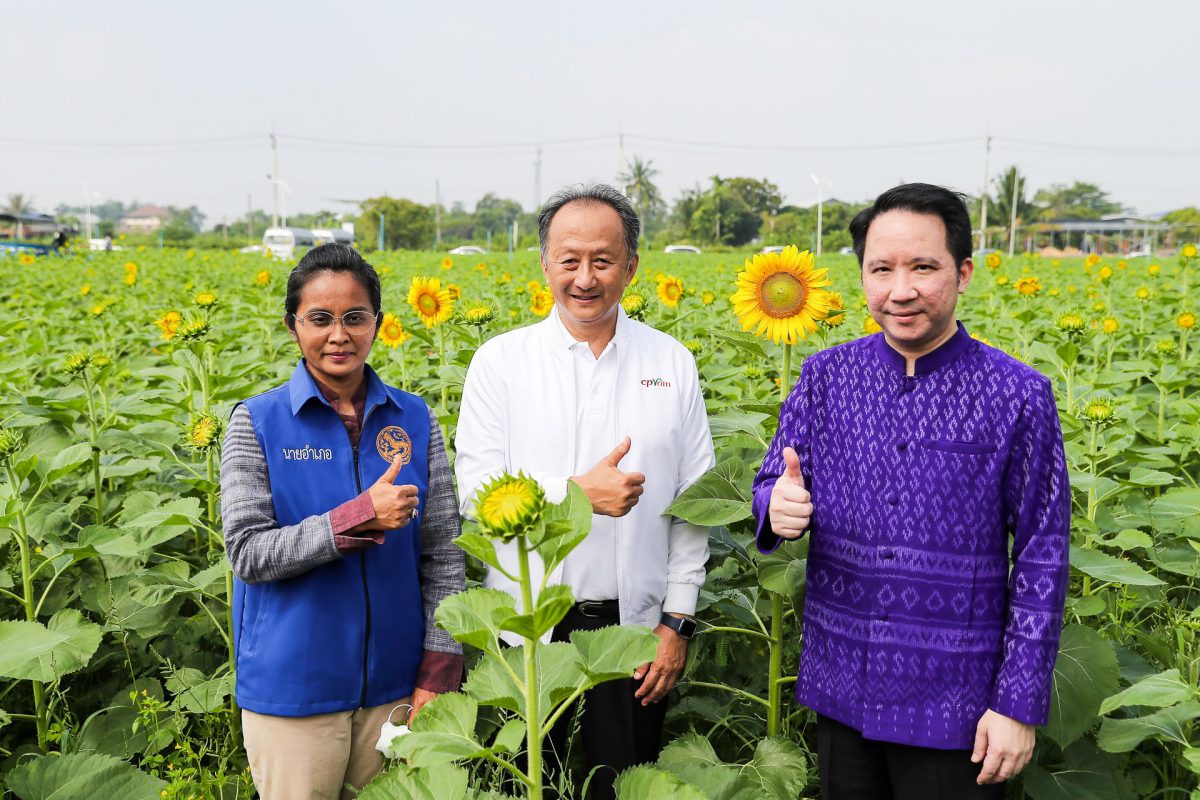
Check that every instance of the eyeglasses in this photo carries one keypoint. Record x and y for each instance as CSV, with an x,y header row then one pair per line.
x,y
355,323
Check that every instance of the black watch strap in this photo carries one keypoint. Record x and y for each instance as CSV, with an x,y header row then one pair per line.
x,y
684,626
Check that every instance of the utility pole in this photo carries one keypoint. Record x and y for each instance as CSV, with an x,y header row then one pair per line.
x,y
380,247
537,180
437,213
274,179
817,181
1012,225
987,154
249,218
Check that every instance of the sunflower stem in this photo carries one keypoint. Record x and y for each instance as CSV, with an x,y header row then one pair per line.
x,y
533,734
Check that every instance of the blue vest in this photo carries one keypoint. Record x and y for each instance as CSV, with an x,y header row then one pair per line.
x,y
347,634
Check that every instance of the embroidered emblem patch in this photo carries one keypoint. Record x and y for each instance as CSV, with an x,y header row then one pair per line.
x,y
392,441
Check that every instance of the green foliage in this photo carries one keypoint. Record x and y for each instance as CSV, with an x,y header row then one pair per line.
x,y
83,776
406,225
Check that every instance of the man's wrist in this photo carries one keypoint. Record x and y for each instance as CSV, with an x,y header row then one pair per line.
x,y
684,626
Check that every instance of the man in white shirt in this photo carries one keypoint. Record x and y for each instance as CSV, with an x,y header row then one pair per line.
x,y
591,396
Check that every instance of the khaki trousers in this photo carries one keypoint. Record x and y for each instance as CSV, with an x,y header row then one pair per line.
x,y
313,758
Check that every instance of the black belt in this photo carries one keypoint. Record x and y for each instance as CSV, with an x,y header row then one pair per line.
x,y
598,608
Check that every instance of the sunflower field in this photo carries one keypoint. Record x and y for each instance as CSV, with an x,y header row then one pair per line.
x,y
121,368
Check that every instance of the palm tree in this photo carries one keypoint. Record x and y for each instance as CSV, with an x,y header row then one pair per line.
x,y
19,204
1003,202
638,180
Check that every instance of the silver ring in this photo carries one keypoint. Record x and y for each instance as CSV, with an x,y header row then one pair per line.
x,y
414,513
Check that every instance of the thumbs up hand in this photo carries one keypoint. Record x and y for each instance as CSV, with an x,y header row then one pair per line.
x,y
611,491
395,506
791,507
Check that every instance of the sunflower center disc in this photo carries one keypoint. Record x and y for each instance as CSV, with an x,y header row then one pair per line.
x,y
428,304
782,295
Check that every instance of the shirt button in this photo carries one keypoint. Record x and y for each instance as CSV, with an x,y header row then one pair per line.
x,y
887,555
909,385
883,616
893,498
902,446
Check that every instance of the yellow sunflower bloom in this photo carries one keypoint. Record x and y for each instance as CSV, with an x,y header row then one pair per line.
x,y
993,260
433,304
85,290
447,262
169,324
1188,251
392,332
1153,269
542,302
1028,286
205,299
26,259
455,291
509,506
1091,260
1186,320
670,290
707,297
871,326
782,295
263,278
1110,325
836,308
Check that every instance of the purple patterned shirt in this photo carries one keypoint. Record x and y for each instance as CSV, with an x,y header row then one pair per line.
x,y
913,623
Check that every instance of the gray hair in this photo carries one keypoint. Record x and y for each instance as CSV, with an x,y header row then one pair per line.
x,y
592,193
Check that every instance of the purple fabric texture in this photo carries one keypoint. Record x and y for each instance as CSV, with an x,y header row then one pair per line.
x,y
913,623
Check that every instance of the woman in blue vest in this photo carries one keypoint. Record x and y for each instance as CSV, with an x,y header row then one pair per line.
x,y
340,516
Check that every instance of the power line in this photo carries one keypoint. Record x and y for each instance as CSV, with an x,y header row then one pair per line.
x,y
123,145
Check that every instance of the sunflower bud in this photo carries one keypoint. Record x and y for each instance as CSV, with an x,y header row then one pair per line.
x,y
1186,320
1071,324
480,314
205,299
77,362
11,442
509,506
635,305
1165,347
1098,411
204,432
195,330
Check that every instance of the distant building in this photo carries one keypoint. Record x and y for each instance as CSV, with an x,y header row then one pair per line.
x,y
1116,233
147,219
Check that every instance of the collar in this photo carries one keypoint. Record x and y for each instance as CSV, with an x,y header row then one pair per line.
x,y
566,340
302,388
945,354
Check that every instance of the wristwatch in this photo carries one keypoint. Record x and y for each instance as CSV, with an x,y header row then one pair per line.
x,y
684,626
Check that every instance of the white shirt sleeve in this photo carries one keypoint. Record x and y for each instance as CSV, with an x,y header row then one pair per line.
x,y
480,443
689,543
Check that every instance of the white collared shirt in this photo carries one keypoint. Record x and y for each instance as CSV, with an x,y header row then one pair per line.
x,y
591,569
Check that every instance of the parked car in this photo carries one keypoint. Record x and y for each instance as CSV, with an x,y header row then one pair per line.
x,y
772,248
682,248
467,250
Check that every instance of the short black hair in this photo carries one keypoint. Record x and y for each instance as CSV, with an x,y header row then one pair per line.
x,y
919,198
331,258
600,193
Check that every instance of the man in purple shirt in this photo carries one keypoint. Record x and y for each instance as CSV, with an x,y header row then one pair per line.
x,y
909,458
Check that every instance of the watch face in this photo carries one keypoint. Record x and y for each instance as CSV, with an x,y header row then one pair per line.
x,y
687,628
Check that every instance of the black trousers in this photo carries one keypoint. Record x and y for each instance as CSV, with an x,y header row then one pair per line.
x,y
618,732
855,768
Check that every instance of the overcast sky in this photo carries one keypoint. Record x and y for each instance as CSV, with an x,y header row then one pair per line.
x,y
172,102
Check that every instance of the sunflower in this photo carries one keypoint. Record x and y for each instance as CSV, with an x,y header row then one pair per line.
x,y
1153,269
1143,293
1105,273
203,432
26,259
98,309
993,260
1091,260
781,295
1109,325
392,332
836,308
205,299
1165,347
509,505
707,297
432,303
169,324
1071,324
670,290
11,442
455,291
131,268
130,278
1002,280
1188,251
1028,286
480,313
77,362
542,302
871,326
1186,320
193,331
263,278
447,262
85,290
1098,411
634,304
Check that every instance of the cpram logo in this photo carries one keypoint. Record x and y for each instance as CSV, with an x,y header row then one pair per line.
x,y
650,382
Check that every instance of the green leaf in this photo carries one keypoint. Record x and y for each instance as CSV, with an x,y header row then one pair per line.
x,y
716,498
204,696
1130,539
109,542
511,737
1111,568
1141,476
32,651
1088,606
480,547
1191,759
438,782
1176,504
552,605
1085,673
1122,735
747,343
1164,689
1181,558
614,652
645,782
1085,773
492,685
444,731
66,461
82,776
692,759
784,571
778,770
566,524
733,421
474,617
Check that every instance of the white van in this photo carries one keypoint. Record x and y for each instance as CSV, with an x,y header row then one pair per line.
x,y
283,242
